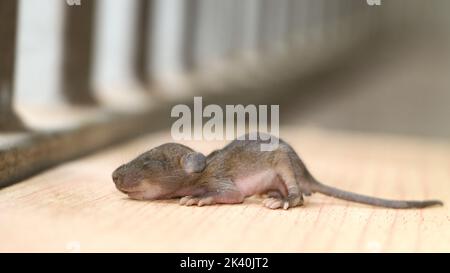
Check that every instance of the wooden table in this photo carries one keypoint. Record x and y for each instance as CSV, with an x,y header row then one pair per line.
x,y
75,207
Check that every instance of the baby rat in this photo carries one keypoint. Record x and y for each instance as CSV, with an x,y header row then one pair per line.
x,y
229,175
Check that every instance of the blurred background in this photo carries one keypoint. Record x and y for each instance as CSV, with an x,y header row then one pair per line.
x,y
368,66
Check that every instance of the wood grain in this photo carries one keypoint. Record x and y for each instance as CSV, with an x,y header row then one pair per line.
x,y
75,207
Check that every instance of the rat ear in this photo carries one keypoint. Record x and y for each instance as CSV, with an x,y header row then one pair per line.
x,y
193,162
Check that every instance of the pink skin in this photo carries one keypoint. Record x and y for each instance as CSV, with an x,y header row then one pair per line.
x,y
261,182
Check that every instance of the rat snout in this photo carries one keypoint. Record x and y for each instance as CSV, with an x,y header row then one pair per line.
x,y
118,177
125,179
115,177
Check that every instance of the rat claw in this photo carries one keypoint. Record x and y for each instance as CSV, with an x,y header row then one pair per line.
x,y
275,205
192,201
184,200
266,202
206,201
272,203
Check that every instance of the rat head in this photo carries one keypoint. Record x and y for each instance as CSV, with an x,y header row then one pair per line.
x,y
160,172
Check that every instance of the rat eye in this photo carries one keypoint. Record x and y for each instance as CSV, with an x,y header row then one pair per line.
x,y
156,164
146,163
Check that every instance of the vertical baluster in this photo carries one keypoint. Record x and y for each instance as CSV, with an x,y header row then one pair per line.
x,y
298,21
227,31
189,34
144,41
283,29
221,31
273,26
318,23
227,36
311,29
264,23
205,34
210,47
174,29
78,49
8,30
238,27
39,48
251,28
119,76
249,36
235,22
292,21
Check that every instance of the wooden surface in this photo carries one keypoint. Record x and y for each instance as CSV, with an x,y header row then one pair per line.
x,y
75,207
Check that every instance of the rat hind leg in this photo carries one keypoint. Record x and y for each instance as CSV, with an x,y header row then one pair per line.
x,y
293,196
224,192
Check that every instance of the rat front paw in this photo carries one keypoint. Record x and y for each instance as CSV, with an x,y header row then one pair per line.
x,y
200,201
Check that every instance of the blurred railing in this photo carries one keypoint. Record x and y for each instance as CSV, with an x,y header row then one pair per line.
x,y
75,78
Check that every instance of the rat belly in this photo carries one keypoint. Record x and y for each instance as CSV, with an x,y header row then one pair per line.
x,y
260,182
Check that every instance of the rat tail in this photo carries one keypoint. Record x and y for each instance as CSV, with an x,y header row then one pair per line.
x,y
380,202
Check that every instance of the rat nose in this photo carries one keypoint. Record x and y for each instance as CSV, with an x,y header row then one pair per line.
x,y
115,177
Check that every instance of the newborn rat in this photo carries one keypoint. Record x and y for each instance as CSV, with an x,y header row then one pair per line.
x,y
229,175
